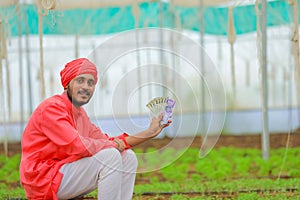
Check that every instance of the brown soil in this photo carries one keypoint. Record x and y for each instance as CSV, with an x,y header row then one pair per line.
x,y
278,140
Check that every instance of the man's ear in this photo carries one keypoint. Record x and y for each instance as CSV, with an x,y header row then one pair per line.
x,y
66,89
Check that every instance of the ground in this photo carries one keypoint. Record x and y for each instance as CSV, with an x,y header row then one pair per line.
x,y
277,140
240,141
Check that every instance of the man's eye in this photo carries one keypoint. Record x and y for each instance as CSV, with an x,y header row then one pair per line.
x,y
79,81
91,83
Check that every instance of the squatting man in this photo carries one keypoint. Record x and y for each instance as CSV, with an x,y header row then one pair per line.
x,y
65,156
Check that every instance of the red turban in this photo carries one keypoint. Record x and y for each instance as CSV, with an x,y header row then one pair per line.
x,y
77,67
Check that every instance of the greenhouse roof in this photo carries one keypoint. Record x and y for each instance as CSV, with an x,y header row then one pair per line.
x,y
112,19
117,18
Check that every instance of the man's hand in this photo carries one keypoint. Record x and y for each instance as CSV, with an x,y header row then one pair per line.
x,y
120,144
156,127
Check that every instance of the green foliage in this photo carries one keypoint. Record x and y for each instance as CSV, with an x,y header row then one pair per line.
x,y
228,169
248,196
93,194
15,193
235,171
175,172
10,167
9,178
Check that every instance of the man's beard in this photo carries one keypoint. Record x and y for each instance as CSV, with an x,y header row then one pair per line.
x,y
73,100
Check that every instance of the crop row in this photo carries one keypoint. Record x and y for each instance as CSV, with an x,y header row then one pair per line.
x,y
183,174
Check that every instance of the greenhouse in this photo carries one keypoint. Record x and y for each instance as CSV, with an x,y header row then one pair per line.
x,y
232,66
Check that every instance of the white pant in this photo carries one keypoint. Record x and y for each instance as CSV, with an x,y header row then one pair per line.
x,y
112,172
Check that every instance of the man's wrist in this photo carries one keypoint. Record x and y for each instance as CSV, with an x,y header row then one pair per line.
x,y
123,139
117,143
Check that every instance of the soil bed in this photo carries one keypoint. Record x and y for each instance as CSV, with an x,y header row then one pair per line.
x,y
278,140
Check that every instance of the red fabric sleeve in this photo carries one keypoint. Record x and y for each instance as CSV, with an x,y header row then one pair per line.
x,y
93,131
59,129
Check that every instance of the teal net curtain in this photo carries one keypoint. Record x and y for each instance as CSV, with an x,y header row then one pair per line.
x,y
109,20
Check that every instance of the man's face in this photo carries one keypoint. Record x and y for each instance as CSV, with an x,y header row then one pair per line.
x,y
81,89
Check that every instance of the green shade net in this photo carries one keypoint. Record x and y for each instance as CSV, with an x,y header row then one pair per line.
x,y
116,19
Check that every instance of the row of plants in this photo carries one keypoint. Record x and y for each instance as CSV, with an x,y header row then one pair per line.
x,y
10,187
230,188
228,171
183,174
222,163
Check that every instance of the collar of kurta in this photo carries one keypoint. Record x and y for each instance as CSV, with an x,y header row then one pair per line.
x,y
75,111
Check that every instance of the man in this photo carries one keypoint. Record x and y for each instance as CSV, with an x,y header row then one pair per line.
x,y
65,156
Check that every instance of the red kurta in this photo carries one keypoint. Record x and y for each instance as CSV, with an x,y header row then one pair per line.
x,y
57,133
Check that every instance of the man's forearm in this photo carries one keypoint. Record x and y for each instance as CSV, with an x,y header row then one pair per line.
x,y
140,137
154,129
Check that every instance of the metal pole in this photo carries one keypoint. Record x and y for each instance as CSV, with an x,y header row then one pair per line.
x,y
264,79
161,39
136,14
76,46
41,71
20,69
27,46
2,90
139,73
148,61
295,43
202,68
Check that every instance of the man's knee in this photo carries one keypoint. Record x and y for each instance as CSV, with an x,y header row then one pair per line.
x,y
130,160
133,157
109,157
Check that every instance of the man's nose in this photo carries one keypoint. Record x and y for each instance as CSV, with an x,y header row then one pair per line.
x,y
85,85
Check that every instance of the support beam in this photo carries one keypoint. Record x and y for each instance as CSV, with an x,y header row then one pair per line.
x,y
202,68
28,63
264,82
41,70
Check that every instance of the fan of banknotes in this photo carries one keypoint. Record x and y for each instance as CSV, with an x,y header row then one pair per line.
x,y
163,105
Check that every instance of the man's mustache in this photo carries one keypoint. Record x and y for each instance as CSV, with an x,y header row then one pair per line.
x,y
84,92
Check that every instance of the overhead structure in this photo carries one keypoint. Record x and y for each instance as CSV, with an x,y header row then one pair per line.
x,y
84,4
92,16
229,18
